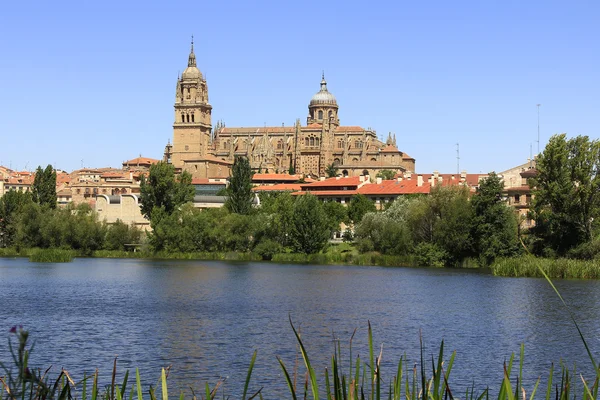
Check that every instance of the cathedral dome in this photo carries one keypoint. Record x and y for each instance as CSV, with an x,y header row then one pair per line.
x,y
323,96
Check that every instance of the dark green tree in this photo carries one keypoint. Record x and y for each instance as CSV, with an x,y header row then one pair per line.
x,y
336,214
120,234
566,203
310,232
495,229
44,186
11,206
162,190
331,170
386,174
359,206
239,192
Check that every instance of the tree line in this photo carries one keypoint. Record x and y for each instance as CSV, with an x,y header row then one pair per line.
x,y
444,228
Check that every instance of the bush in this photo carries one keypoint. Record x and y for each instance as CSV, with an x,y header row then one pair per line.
x,y
430,255
267,249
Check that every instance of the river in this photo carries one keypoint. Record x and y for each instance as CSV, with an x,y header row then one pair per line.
x,y
206,319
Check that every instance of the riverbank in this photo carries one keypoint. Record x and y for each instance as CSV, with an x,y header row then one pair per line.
x,y
338,254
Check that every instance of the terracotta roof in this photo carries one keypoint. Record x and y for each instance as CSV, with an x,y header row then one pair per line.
x,y
276,177
395,187
334,182
280,187
63,178
340,193
64,192
351,129
453,179
114,174
390,149
141,161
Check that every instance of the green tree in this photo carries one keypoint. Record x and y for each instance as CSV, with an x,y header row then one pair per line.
x,y
310,232
239,192
336,214
359,206
44,186
386,174
162,190
119,234
566,204
11,206
331,170
495,227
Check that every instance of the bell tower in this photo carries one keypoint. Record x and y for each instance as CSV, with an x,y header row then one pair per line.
x,y
192,126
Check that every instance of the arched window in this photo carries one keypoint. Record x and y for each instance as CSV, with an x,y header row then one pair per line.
x,y
340,144
307,142
312,141
182,118
192,117
320,114
330,114
188,117
365,172
317,141
279,144
336,162
345,173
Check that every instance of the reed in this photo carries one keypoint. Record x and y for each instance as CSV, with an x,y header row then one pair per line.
x,y
561,268
51,255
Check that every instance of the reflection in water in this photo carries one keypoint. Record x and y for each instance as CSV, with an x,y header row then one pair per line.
x,y
206,318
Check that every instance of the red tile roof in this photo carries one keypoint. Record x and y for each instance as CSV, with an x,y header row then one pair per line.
x,y
276,177
282,187
141,161
395,187
390,149
340,193
334,182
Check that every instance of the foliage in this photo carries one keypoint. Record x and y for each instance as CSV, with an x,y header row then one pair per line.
x,y
336,214
162,190
310,231
430,255
331,170
268,248
386,174
555,268
239,191
44,186
358,207
51,255
385,232
11,206
119,234
566,203
495,224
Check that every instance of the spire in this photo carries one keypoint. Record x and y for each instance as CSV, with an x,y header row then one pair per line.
x,y
192,58
323,82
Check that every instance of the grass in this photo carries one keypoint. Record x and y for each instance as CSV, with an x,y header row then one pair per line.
x,y
51,255
561,268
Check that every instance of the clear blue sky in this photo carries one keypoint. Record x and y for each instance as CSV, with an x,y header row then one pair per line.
x,y
93,82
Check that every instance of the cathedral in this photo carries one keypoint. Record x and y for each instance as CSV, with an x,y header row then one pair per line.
x,y
302,149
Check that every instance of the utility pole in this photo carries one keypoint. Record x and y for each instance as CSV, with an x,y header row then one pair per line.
x,y
457,160
538,115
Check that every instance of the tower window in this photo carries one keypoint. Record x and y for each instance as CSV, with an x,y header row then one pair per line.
x,y
182,118
320,114
307,142
330,114
192,117
312,141
188,117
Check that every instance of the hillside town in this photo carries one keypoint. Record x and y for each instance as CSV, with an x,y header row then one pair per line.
x,y
322,157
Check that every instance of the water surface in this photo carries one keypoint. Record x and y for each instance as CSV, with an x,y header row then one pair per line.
x,y
206,318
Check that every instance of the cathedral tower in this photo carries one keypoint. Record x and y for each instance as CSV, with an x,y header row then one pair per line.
x,y
323,105
192,126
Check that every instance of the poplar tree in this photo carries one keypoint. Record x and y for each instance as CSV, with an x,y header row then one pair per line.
x,y
43,189
239,192
161,190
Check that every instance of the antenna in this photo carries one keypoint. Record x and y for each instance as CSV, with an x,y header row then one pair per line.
x,y
457,159
538,115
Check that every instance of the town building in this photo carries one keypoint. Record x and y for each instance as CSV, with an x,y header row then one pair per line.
x,y
302,149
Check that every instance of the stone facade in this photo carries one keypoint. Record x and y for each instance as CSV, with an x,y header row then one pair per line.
x,y
306,150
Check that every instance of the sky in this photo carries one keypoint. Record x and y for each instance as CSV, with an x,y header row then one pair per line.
x,y
92,83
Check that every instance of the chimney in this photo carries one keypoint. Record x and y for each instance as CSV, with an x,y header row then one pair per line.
x,y
337,177
379,179
432,181
419,180
407,175
322,178
361,178
399,179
